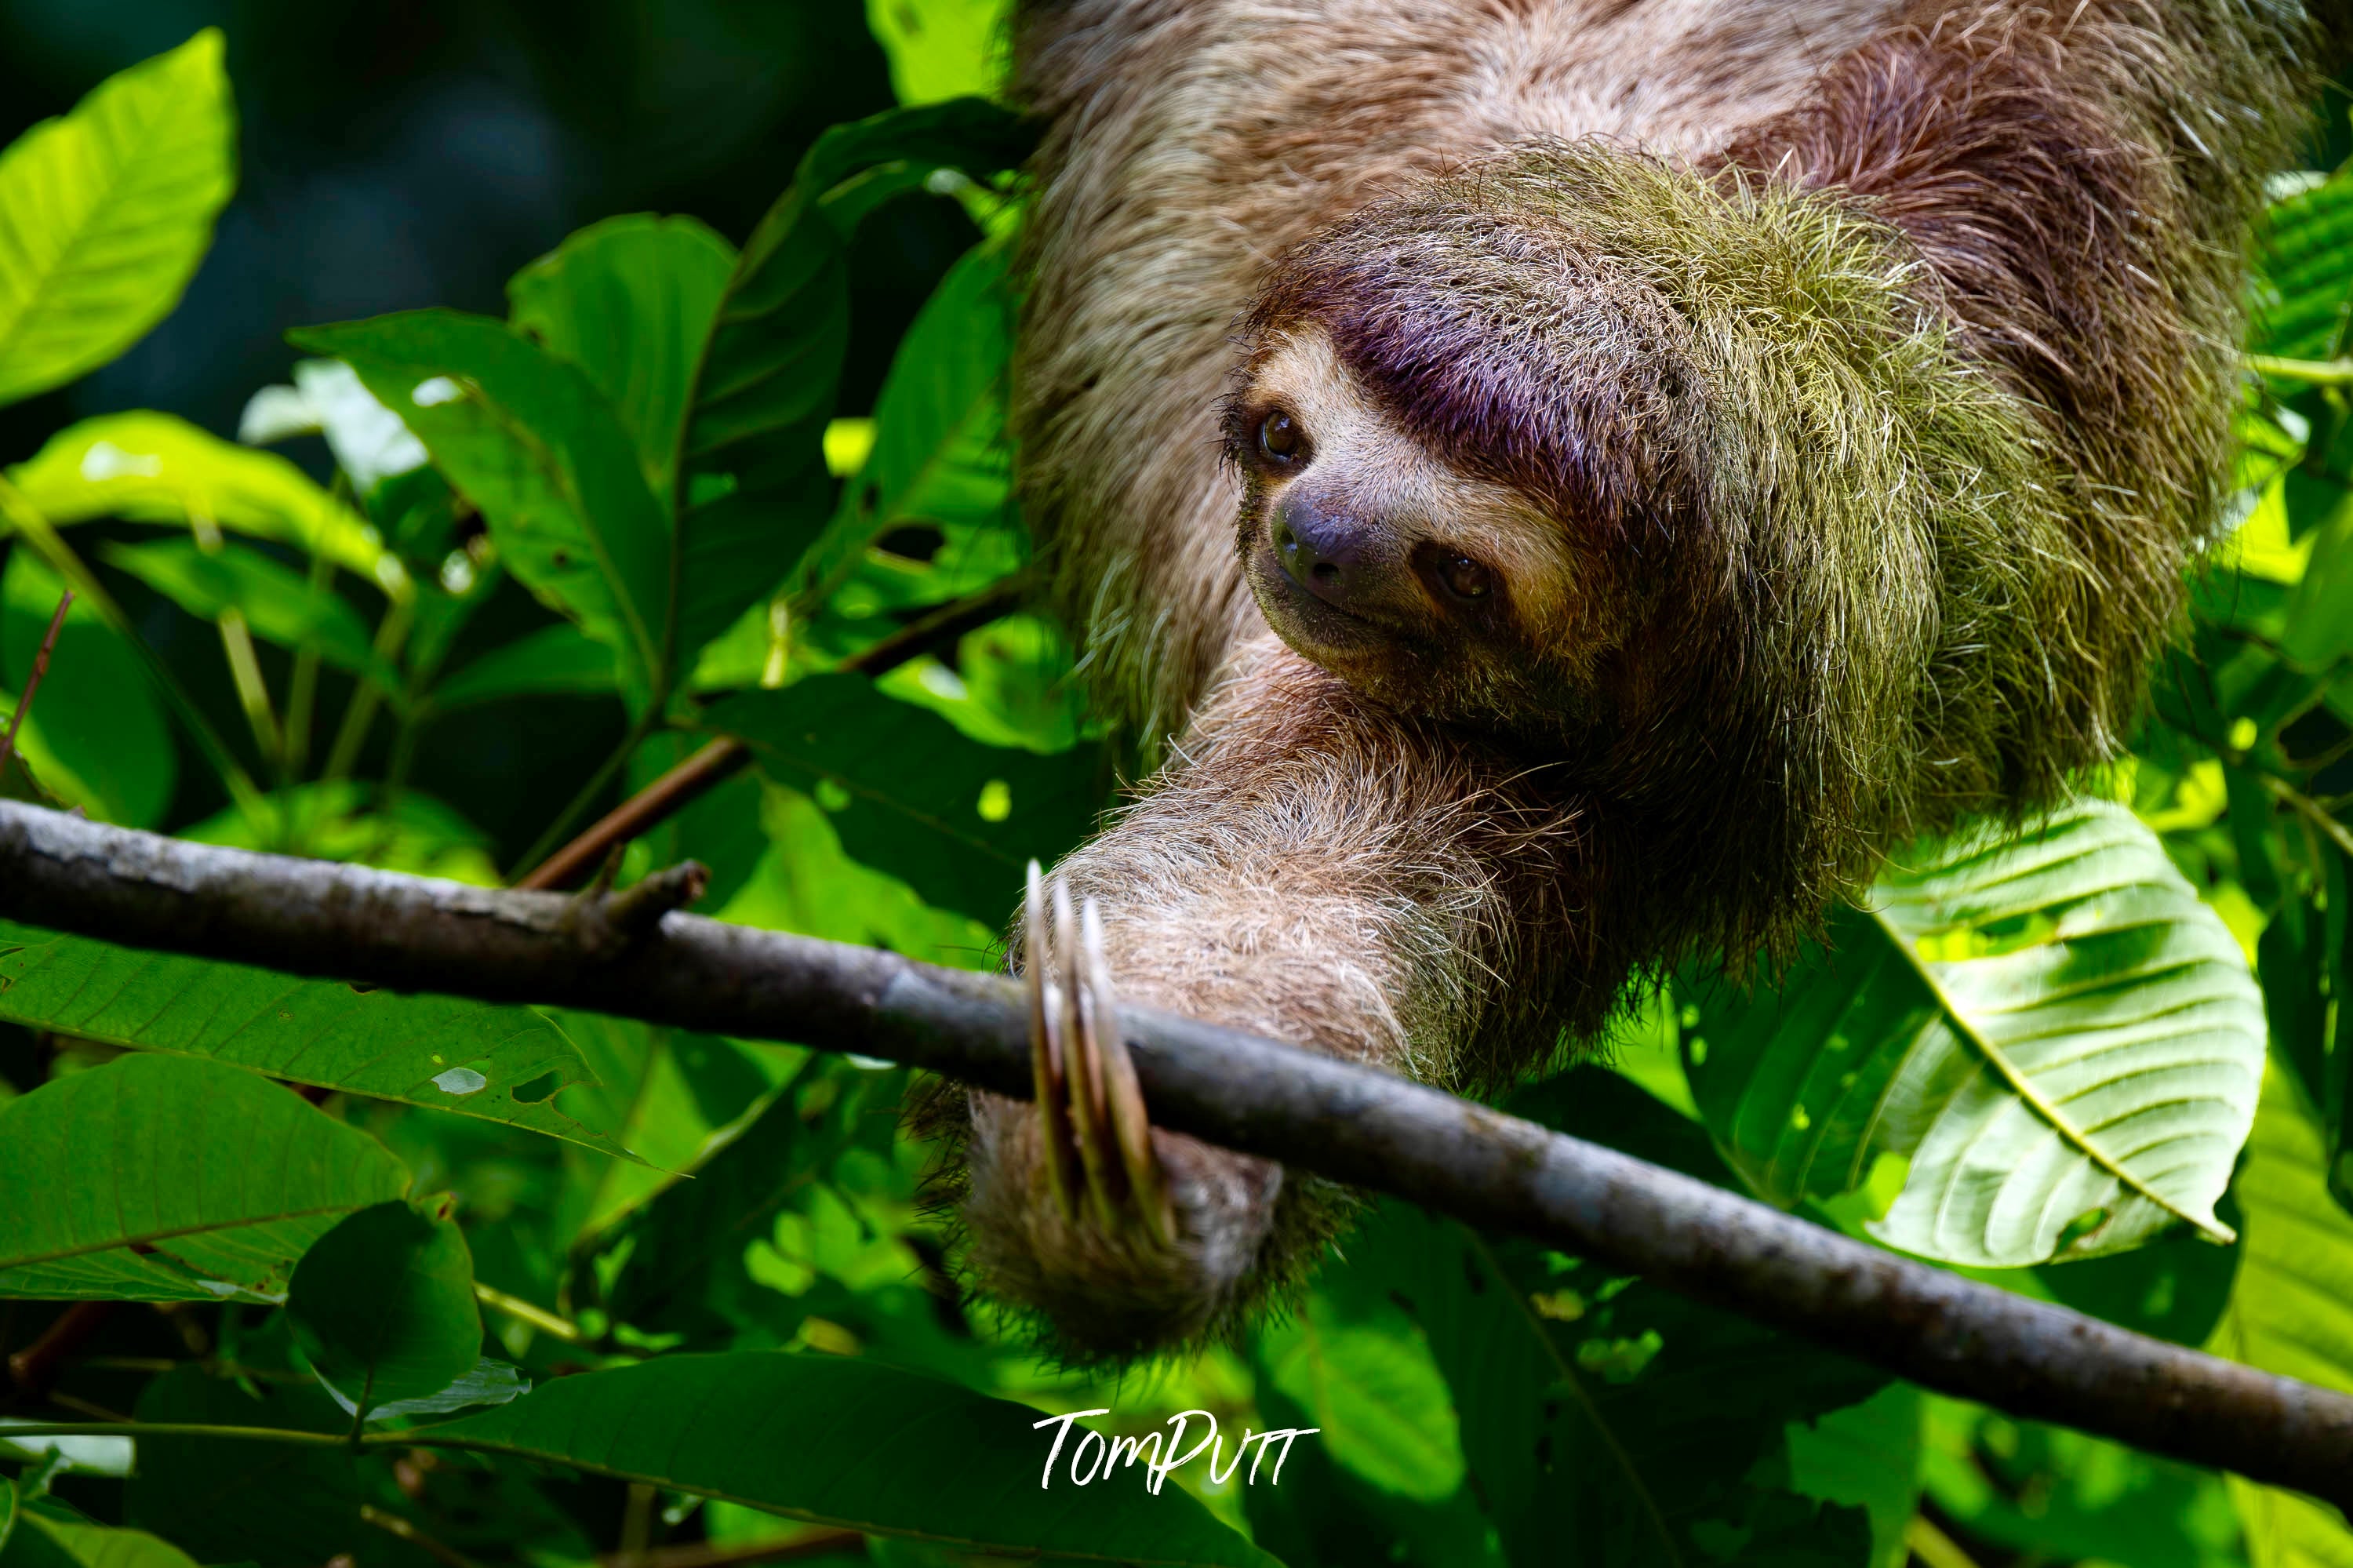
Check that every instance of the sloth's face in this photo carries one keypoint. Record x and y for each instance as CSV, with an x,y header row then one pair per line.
x,y
1440,591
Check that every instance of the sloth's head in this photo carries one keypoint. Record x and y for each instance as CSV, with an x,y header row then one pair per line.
x,y
1672,471
1456,457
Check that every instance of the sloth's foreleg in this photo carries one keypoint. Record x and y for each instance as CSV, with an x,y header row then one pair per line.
x,y
1312,868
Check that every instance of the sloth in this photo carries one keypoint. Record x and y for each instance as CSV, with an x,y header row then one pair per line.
x,y
1564,488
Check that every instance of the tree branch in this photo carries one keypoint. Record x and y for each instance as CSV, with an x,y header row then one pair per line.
x,y
1364,1128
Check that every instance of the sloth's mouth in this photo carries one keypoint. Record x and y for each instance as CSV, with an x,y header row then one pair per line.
x,y
1315,627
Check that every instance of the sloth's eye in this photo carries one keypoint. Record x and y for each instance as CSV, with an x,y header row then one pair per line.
x,y
1464,577
1278,437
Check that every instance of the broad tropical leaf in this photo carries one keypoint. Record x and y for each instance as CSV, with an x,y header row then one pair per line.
x,y
553,659
276,603
631,301
153,467
2304,291
836,1441
2062,1041
105,213
167,1179
954,820
530,441
1605,1420
941,48
1360,1369
941,456
45,1541
754,490
383,1306
500,1064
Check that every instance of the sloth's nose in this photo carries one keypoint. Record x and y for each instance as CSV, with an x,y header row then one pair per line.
x,y
1322,551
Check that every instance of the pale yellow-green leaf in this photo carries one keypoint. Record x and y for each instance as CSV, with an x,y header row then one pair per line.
x,y
2291,1311
153,468
106,212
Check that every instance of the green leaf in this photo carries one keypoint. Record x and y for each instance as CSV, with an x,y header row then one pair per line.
x,y
44,1541
1361,1369
498,1064
153,467
278,605
273,1504
555,658
1866,1455
532,442
105,213
941,48
954,820
96,737
2304,285
1603,1419
753,490
843,1442
355,823
2051,1027
224,1176
942,456
383,1305
487,1381
631,300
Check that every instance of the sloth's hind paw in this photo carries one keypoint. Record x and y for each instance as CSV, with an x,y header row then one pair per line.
x,y
1096,1137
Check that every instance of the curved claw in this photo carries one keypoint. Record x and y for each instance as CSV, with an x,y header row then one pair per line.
x,y
1089,1107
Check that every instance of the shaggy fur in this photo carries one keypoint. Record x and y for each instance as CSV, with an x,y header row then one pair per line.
x,y
1874,363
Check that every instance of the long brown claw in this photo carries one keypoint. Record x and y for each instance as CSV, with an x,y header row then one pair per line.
x,y
1048,1076
1089,1107
1123,1095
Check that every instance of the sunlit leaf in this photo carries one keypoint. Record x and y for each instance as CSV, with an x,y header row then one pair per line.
x,y
805,1435
1359,1368
2305,288
500,1064
631,300
277,604
2058,1036
941,48
167,1180
153,467
105,213
383,1306
909,795
533,443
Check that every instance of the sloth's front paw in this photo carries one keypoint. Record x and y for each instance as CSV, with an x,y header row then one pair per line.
x,y
1094,1139
1124,1238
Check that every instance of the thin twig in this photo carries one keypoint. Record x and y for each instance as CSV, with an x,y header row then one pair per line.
x,y
722,759
2312,811
1311,1112
33,681
393,1524
35,1367
2311,372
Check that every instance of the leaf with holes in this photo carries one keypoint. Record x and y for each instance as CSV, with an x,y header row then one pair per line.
x,y
167,1180
499,1063
2062,1041
105,213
